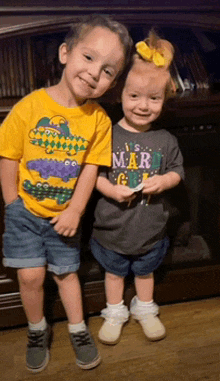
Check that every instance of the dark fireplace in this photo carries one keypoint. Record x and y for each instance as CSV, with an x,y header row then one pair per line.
x,y
195,224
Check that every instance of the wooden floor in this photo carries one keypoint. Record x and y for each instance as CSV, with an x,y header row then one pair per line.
x,y
190,352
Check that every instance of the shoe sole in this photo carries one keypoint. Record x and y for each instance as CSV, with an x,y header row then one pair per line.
x,y
92,365
39,369
155,338
109,342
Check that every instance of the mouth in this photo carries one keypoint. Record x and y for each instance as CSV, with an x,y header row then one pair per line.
x,y
142,115
88,84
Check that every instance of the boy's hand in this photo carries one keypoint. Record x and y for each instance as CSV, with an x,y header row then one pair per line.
x,y
155,184
122,193
67,222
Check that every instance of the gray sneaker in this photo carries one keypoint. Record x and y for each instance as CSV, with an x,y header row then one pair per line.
x,y
87,356
37,356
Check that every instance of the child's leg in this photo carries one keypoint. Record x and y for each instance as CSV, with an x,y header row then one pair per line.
x,y
145,287
31,281
116,313
145,310
87,356
70,293
114,288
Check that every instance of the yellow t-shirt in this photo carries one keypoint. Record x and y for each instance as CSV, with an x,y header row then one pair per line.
x,y
51,142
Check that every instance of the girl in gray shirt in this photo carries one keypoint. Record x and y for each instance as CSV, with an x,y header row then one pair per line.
x,y
130,218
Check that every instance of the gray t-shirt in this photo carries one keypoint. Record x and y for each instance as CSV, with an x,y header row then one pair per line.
x,y
134,229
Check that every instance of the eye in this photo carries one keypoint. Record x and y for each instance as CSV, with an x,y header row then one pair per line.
x,y
67,162
108,72
155,98
133,96
47,132
73,163
38,185
88,57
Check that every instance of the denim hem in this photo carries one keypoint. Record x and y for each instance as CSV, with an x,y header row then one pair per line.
x,y
60,270
24,263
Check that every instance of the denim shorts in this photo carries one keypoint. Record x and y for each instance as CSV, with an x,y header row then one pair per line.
x,y
122,265
31,241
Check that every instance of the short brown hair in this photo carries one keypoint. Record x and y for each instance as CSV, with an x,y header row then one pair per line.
x,y
85,24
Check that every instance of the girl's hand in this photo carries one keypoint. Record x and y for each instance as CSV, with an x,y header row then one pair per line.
x,y
155,184
66,223
122,193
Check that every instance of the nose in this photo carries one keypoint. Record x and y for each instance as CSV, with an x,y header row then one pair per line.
x,y
143,104
95,71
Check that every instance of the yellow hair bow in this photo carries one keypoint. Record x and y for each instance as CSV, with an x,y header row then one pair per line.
x,y
149,54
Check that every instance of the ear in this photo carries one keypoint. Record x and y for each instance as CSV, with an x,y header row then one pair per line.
x,y
63,52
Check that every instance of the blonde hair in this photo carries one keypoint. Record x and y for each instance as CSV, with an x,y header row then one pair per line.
x,y
148,52
157,44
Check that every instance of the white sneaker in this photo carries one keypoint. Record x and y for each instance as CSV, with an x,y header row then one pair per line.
x,y
115,317
147,317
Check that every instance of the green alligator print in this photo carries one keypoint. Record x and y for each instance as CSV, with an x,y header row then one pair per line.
x,y
54,135
40,191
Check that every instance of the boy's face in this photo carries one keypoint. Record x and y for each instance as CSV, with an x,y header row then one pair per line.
x,y
143,97
92,64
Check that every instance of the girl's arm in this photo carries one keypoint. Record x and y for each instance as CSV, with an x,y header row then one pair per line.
x,y
159,183
8,179
120,193
66,223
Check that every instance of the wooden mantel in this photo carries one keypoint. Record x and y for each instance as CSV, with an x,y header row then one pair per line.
x,y
21,17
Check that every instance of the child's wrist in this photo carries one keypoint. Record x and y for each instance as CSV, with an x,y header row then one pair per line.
x,y
10,200
76,210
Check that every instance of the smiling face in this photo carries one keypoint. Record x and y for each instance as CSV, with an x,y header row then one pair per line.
x,y
92,65
143,96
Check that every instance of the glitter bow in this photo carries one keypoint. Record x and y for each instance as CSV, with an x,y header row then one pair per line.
x,y
152,55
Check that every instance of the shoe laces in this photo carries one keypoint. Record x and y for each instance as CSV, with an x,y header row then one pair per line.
x,y
35,339
82,338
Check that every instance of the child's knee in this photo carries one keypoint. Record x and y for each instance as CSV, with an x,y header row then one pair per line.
x,y
31,277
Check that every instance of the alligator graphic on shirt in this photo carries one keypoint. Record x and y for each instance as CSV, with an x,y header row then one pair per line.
x,y
54,135
40,191
64,170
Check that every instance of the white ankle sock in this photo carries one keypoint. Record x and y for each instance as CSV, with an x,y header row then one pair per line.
x,y
41,326
73,328
140,303
115,305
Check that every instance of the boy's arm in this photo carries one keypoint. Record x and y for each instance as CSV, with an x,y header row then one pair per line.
x,y
8,179
120,193
66,223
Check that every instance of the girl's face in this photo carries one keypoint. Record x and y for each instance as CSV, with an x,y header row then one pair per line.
x,y
91,65
143,97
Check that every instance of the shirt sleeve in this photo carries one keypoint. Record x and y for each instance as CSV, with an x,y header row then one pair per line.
x,y
174,157
11,135
99,152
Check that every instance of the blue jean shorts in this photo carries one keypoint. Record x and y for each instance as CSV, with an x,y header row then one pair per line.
x,y
122,265
31,241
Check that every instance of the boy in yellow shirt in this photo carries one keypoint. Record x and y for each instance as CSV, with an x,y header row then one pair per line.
x,y
51,145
